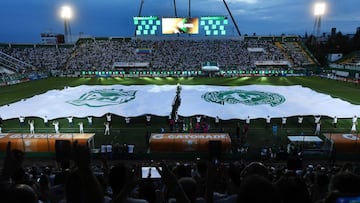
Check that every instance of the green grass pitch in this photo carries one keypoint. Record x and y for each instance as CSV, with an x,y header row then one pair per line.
x,y
135,133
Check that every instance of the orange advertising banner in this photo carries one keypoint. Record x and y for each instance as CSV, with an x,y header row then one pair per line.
x,y
187,142
40,142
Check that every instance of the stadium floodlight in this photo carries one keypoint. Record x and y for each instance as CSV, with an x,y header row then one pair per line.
x,y
319,8
66,14
319,11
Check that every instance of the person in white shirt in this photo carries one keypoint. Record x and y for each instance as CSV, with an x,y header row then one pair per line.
x,y
46,121
300,120
22,121
107,128
353,127
318,128
317,119
108,118
56,126
81,127
334,121
148,119
268,121
247,120
198,119
70,119
32,126
217,120
354,119
127,121
90,122
283,122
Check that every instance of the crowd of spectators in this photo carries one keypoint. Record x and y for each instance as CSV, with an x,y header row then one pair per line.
x,y
87,180
162,55
297,54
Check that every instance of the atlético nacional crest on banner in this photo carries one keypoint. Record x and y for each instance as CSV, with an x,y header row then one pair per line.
x,y
104,97
244,97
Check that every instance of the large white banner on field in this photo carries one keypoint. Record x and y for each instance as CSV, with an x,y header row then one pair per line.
x,y
97,100
227,102
259,101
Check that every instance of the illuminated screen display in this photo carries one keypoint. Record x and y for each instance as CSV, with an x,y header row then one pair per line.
x,y
146,25
180,25
214,25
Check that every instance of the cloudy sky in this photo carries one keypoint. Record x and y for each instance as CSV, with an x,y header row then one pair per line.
x,y
22,21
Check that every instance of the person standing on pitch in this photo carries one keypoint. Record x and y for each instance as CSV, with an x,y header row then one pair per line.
x,y
56,126
334,121
32,126
283,122
90,122
107,128
247,121
22,121
268,121
354,119
70,119
108,118
318,128
46,121
300,120
81,127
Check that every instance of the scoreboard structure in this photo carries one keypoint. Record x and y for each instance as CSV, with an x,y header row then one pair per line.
x,y
206,25
146,25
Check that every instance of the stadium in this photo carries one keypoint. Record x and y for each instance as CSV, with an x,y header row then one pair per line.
x,y
180,94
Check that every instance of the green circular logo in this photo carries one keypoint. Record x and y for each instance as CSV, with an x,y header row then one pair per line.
x,y
104,97
244,97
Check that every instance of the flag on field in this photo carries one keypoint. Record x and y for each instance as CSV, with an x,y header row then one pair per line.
x,y
227,102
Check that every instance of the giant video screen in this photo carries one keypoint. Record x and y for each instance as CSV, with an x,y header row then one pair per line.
x,y
180,25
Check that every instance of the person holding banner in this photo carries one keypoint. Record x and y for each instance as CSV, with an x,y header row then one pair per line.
x,y
108,118
300,120
283,122
353,127
32,126
107,128
22,121
247,121
334,121
46,121
56,126
70,119
268,121
81,127
89,118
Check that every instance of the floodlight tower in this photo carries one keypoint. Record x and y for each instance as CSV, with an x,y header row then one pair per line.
x,y
319,11
175,8
66,14
232,18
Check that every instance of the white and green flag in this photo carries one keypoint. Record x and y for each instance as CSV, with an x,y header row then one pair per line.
x,y
259,101
227,102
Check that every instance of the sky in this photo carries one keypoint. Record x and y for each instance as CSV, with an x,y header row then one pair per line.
x,y
22,21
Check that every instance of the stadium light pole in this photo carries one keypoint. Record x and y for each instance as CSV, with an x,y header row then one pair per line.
x,y
319,11
66,14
